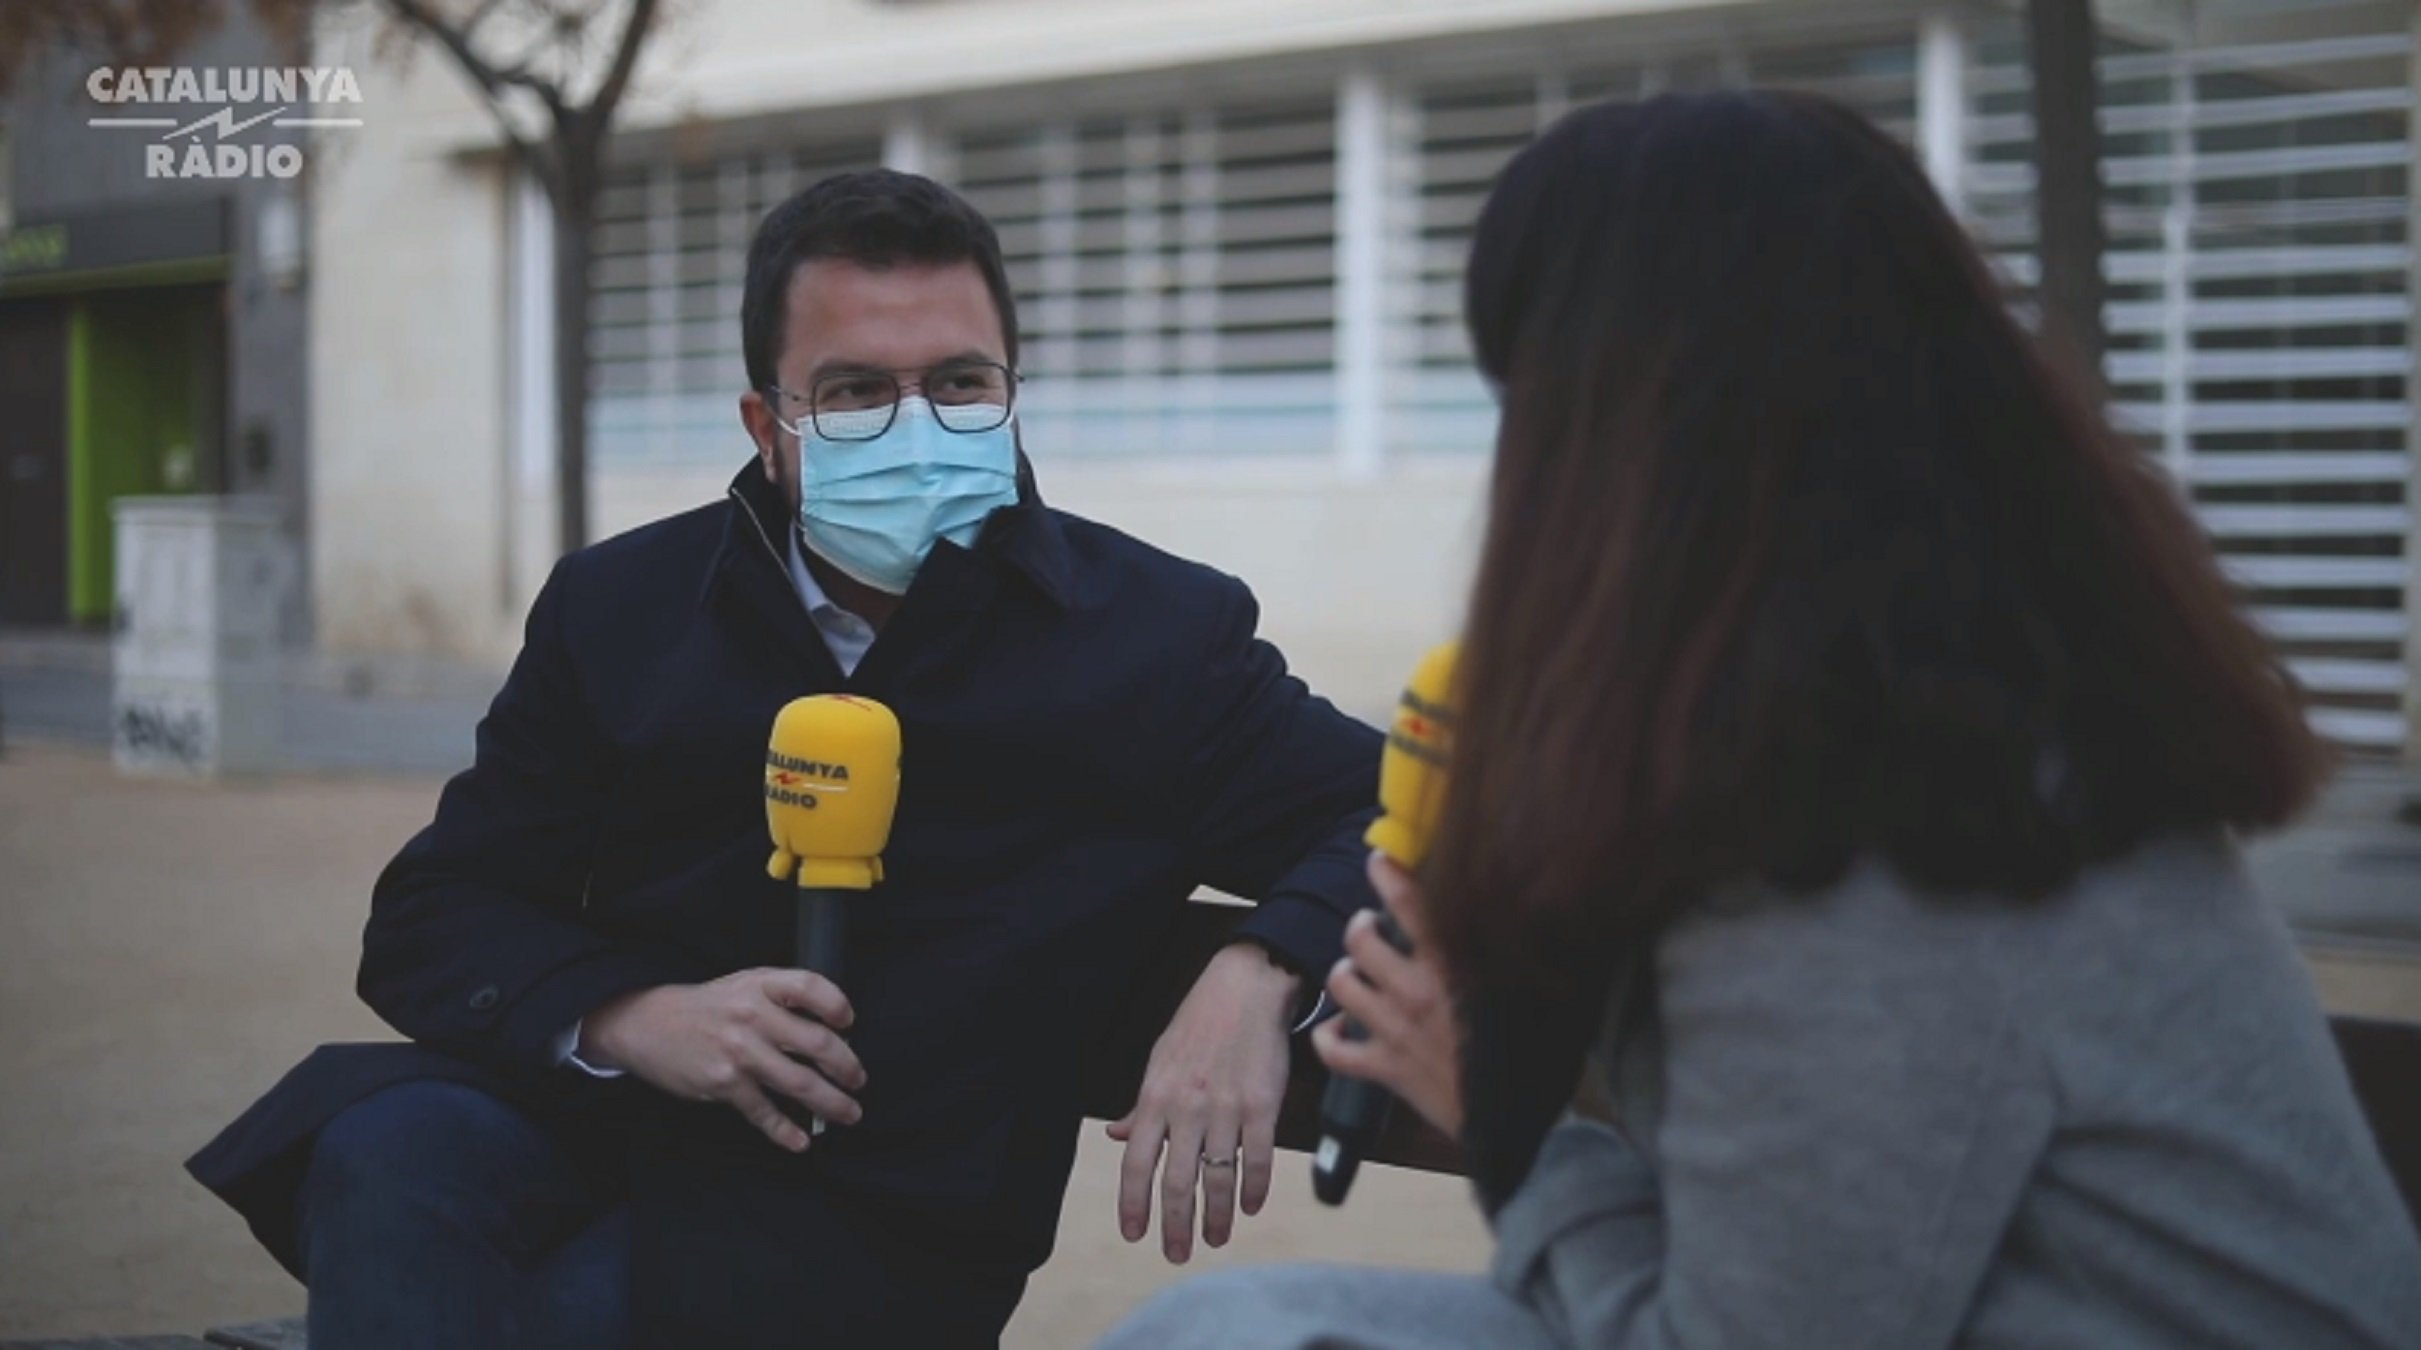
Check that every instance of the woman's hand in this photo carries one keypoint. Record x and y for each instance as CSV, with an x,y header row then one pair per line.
x,y
1415,1044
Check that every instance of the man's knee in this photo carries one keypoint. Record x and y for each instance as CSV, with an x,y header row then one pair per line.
x,y
414,1150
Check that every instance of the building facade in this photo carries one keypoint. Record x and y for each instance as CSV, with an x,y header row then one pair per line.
x,y
1237,226
151,327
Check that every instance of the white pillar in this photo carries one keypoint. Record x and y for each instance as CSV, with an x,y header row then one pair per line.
x,y
906,146
1553,88
1361,321
528,489
1942,102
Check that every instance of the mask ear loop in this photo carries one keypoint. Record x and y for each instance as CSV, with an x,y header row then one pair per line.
x,y
797,524
796,429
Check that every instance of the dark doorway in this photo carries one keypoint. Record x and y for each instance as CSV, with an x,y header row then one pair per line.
x,y
33,461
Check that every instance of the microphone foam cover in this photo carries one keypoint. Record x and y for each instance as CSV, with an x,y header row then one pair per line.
x,y
831,788
1412,769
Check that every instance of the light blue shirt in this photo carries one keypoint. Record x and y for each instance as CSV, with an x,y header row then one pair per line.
x,y
845,634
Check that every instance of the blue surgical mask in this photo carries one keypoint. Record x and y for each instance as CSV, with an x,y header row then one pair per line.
x,y
873,508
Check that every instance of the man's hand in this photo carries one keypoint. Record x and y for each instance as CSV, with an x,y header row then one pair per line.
x,y
736,1040
1415,1044
1211,1097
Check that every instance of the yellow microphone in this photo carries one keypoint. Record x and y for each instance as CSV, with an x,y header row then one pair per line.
x,y
831,789
1412,781
1412,769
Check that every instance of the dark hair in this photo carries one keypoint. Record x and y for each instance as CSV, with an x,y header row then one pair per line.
x,y
874,218
1798,551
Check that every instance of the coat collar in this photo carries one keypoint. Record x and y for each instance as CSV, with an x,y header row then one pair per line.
x,y
1025,537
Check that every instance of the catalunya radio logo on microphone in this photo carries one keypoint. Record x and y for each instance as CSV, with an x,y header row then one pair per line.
x,y
831,786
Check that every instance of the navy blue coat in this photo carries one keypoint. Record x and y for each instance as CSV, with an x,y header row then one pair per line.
x,y
1091,730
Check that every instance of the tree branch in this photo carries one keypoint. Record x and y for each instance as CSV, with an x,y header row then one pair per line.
x,y
626,59
489,82
492,80
539,164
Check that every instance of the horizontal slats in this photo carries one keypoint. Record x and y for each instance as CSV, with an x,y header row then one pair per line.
x,y
2200,169
2209,114
2249,469
2337,676
2270,58
2289,573
1166,243
2236,264
2296,311
2303,522
2295,169
2360,726
2279,417
2308,363
2331,625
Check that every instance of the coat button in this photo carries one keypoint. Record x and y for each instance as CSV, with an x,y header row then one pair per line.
x,y
485,998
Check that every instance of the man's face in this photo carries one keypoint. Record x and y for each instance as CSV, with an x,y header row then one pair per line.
x,y
840,317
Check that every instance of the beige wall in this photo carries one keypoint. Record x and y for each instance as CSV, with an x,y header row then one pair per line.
x,y
1355,579
407,365
742,58
428,542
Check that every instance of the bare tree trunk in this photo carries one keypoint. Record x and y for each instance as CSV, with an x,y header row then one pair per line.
x,y
2068,174
570,163
575,211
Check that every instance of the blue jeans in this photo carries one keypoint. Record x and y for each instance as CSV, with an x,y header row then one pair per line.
x,y
435,1215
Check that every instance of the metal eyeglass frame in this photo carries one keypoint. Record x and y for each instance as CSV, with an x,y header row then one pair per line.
x,y
1007,409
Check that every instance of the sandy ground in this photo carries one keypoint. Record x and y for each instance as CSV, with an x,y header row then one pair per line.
x,y
166,951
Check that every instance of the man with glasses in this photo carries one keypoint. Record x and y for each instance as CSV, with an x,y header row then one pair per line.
x,y
591,1139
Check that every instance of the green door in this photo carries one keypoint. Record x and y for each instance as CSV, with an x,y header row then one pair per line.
x,y
146,381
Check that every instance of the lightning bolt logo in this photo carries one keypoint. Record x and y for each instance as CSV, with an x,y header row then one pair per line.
x,y
224,119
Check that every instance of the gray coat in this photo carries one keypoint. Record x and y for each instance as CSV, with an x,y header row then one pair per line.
x,y
1873,1118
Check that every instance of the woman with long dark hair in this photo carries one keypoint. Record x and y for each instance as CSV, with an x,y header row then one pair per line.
x,y
1853,734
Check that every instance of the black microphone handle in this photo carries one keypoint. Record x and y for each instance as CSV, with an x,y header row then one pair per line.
x,y
823,936
823,947
1352,1110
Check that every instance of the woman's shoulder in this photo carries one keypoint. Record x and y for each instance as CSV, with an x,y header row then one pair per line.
x,y
2168,887
2163,938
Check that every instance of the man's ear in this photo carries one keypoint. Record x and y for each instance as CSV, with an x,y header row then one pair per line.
x,y
763,432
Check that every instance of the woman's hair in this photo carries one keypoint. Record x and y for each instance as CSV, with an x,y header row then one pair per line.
x,y
1798,551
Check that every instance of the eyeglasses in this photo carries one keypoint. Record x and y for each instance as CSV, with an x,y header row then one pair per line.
x,y
858,405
